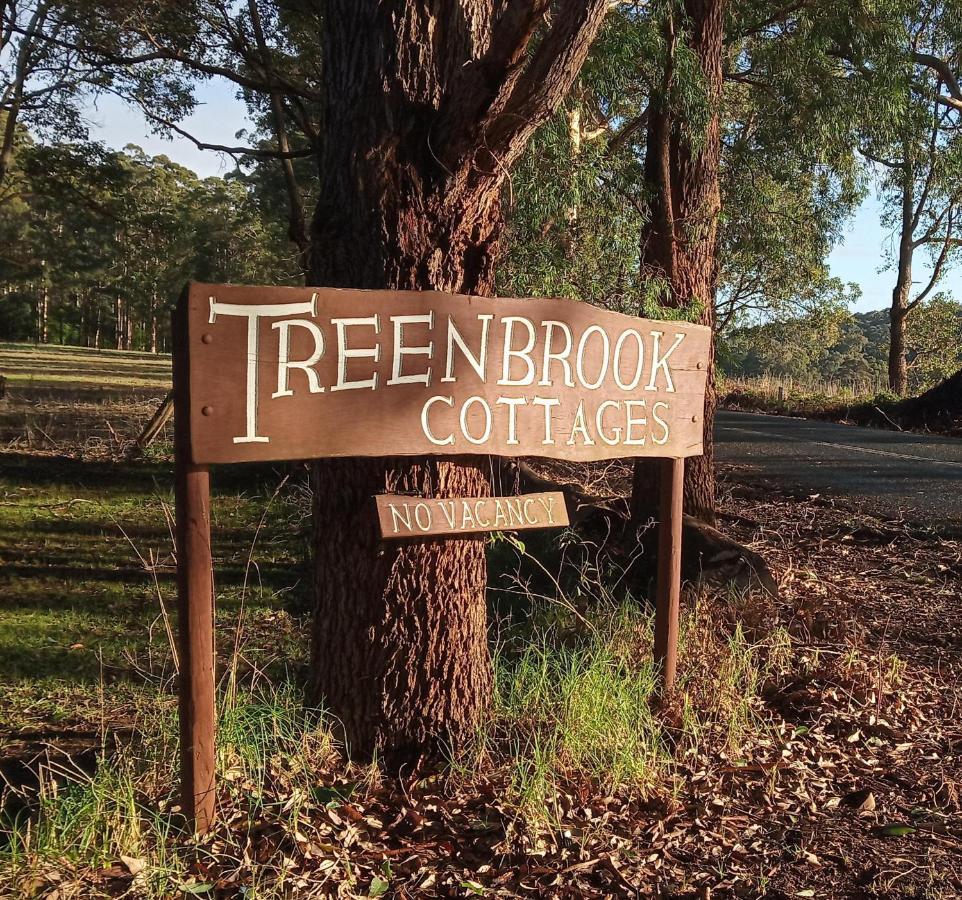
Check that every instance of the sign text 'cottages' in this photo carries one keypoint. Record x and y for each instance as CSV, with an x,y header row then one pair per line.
x,y
296,373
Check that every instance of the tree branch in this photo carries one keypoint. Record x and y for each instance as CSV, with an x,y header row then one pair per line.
x,y
539,88
483,85
930,173
257,152
296,227
170,54
941,67
939,263
883,162
621,137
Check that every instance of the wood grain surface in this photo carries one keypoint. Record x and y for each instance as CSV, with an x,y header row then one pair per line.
x,y
298,373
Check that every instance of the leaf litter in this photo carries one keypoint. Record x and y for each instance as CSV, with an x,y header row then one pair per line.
x,y
848,787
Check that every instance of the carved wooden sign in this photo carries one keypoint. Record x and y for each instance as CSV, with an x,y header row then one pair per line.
x,y
404,517
299,373
270,373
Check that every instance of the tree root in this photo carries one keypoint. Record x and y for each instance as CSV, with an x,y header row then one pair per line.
x,y
709,558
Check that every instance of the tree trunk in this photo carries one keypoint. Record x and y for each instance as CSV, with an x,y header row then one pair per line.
x,y
43,326
898,366
678,243
424,118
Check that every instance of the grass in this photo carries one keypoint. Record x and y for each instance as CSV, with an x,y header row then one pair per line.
x,y
36,360
862,403
124,810
87,593
570,705
86,617
840,389
574,715
576,703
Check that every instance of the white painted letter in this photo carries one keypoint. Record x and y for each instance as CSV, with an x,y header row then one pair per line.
x,y
400,351
630,422
344,354
579,425
660,421
580,363
561,357
512,403
641,360
547,403
424,421
253,312
600,423
424,526
284,365
662,363
396,517
487,419
524,353
479,362
548,504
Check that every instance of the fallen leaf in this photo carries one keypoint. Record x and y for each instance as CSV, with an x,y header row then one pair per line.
x,y
896,829
134,866
862,801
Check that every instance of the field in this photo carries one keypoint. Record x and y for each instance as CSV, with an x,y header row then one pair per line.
x,y
87,590
814,749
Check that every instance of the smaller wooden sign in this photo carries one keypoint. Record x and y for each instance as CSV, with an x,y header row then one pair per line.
x,y
406,517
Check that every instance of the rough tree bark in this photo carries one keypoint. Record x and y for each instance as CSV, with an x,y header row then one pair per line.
x,y
425,111
897,363
678,243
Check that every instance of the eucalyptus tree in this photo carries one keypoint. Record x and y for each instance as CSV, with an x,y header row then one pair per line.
x,y
697,195
99,242
917,148
424,114
42,76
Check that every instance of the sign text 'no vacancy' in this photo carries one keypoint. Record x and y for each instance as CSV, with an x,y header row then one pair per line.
x,y
402,516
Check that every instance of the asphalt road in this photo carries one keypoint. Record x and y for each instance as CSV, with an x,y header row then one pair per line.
x,y
909,476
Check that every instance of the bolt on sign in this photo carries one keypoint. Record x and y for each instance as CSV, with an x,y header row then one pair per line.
x,y
281,373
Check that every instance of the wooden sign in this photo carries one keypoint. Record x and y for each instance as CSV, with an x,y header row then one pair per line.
x,y
269,373
405,517
297,373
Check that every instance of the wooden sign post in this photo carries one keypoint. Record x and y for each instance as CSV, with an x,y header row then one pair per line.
x,y
269,373
195,601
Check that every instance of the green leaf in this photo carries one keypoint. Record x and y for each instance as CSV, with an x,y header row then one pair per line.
x,y
379,887
197,890
473,887
896,829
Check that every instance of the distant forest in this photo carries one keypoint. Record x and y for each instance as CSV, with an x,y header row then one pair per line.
x,y
99,242
849,348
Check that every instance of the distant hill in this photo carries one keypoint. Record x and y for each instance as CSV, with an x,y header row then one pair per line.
x,y
875,326
842,346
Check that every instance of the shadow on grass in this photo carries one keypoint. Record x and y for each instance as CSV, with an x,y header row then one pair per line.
x,y
33,470
140,476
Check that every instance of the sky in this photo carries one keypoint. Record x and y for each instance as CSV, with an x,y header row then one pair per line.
x,y
859,257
